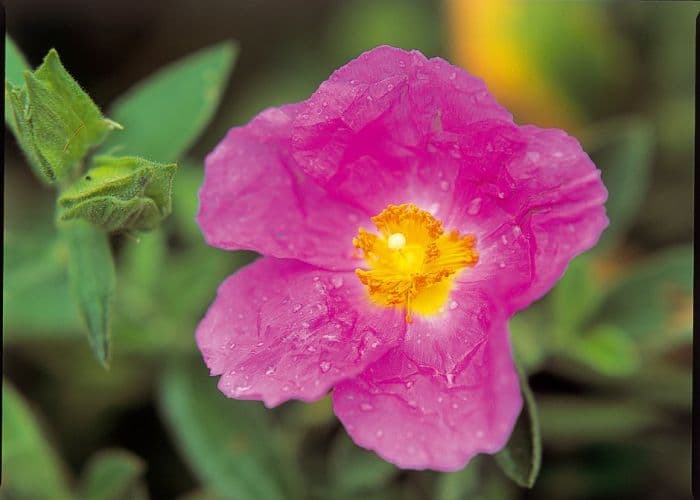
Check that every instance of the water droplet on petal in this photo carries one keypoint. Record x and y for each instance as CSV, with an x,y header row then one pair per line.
x,y
324,366
450,378
501,194
474,206
409,384
366,407
504,240
270,370
242,388
337,281
453,305
379,433
502,264
296,308
444,185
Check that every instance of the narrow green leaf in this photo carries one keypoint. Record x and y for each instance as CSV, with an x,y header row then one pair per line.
x,y
521,458
36,279
164,114
15,66
30,467
606,349
461,484
354,470
623,151
121,193
574,298
646,301
15,63
229,444
112,475
92,278
571,422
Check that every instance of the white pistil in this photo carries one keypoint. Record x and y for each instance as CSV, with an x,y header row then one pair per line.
x,y
396,241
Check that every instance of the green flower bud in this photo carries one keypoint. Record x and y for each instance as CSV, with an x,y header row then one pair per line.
x,y
121,193
55,120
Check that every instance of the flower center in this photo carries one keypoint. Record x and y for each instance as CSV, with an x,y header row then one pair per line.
x,y
412,262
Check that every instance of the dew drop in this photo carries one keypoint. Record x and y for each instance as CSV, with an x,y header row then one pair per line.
x,y
412,403
409,384
444,185
379,433
270,370
324,366
337,281
354,82
366,407
453,305
242,388
504,240
501,194
474,206
517,231
502,264
450,378
296,308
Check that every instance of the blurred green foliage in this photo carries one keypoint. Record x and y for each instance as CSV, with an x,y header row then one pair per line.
x,y
607,351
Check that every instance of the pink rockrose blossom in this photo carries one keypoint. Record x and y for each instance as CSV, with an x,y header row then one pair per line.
x,y
402,219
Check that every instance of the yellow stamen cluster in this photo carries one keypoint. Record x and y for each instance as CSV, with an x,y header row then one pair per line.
x,y
412,262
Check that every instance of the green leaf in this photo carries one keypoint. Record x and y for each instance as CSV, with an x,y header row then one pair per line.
x,y
646,302
92,278
164,114
185,200
55,120
461,484
521,458
30,467
623,150
230,445
15,66
570,422
112,475
574,298
354,470
606,349
36,280
121,193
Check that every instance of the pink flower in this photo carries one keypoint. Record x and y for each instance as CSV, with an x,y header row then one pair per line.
x,y
403,218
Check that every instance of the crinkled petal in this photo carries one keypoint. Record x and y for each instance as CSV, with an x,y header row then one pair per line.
x,y
368,134
281,329
255,197
417,418
444,341
534,200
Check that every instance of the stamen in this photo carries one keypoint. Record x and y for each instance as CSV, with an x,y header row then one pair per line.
x,y
412,262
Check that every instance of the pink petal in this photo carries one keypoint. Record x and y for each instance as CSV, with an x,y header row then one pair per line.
x,y
254,197
369,133
282,329
534,200
417,418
